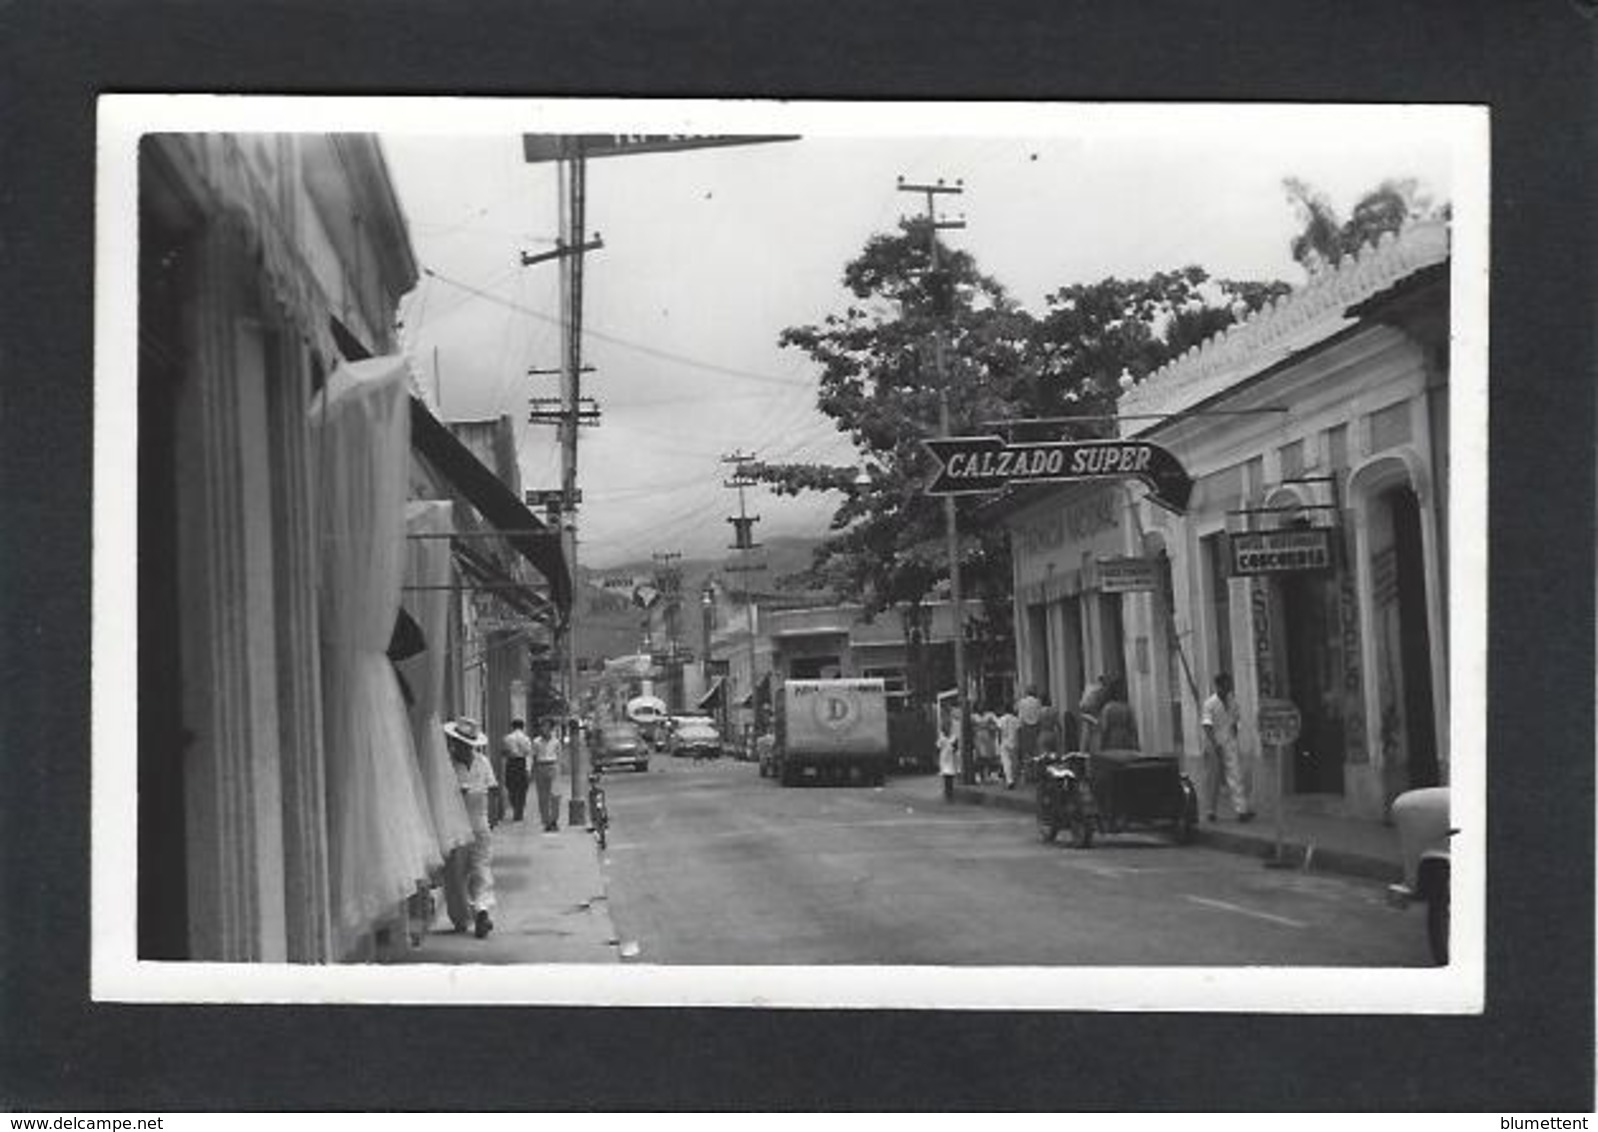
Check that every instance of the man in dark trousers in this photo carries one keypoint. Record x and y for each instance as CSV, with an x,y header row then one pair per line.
x,y
517,747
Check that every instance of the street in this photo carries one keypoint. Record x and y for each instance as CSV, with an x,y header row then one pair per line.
x,y
711,864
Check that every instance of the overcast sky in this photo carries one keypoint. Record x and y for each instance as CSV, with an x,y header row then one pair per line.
x,y
709,254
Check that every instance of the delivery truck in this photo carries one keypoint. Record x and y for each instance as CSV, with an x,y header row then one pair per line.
x,y
831,730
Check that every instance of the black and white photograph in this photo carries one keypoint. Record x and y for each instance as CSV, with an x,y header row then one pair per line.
x,y
769,553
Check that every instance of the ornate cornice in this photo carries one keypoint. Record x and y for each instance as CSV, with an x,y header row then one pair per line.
x,y
1286,326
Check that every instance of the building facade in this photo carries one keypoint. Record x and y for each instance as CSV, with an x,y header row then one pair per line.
x,y
283,813
1311,562
249,247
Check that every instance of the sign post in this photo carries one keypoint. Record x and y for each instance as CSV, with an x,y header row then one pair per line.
x,y
1279,725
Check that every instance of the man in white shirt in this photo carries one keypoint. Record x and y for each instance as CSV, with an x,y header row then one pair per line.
x,y
546,765
517,748
1222,752
469,873
1009,736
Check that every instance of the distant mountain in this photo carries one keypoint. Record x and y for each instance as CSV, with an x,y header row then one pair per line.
x,y
609,624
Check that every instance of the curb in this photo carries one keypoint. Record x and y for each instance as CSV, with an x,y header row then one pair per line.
x,y
1300,854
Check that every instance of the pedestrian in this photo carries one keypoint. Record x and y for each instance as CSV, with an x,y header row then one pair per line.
x,y
949,753
469,872
1029,710
1117,725
1088,709
1048,726
517,747
1223,759
546,764
1009,735
985,739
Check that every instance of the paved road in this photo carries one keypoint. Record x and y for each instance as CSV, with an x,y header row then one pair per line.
x,y
711,864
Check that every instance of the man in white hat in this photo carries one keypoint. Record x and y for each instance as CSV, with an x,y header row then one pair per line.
x,y
469,877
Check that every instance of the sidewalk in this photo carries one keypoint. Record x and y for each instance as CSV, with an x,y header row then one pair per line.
x,y
552,904
1316,842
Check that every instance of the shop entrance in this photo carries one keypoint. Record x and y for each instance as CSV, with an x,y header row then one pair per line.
x,y
1409,735
1311,637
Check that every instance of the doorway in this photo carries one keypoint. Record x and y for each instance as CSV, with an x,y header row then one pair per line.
x,y
1399,580
1314,685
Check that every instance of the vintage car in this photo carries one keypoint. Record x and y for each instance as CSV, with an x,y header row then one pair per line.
x,y
696,736
620,744
1422,820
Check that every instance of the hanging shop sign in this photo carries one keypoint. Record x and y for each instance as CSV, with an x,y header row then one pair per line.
x,y
1281,552
1127,575
970,464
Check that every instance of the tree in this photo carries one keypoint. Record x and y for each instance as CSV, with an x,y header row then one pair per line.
x,y
1325,238
878,380
1096,335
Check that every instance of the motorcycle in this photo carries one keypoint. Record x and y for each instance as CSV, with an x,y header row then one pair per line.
x,y
1065,797
1112,790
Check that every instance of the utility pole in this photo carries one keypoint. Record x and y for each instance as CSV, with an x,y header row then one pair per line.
x,y
570,412
743,542
941,288
668,580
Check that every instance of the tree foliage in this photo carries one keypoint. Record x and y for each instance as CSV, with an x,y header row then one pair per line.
x,y
878,378
1325,237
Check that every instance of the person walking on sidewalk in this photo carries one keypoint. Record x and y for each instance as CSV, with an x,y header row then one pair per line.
x,y
517,748
1222,753
469,872
1029,710
1009,736
949,753
1117,725
985,741
1088,710
546,764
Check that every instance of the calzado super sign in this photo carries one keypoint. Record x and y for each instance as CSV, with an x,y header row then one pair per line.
x,y
969,464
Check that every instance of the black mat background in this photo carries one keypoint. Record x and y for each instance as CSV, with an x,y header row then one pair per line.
x,y
1532,61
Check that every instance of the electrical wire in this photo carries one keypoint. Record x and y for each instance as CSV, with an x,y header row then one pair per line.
x,y
616,340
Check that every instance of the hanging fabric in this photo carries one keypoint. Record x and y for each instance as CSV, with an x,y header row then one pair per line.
x,y
429,566
380,832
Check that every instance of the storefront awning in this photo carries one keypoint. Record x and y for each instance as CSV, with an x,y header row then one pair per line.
x,y
712,698
498,505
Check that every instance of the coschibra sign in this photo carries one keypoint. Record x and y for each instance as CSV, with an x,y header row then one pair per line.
x,y
969,464
1281,552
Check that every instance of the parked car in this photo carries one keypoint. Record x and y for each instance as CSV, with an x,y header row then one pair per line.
x,y
1422,820
618,745
696,736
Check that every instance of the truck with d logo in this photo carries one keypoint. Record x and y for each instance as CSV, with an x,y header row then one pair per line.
x,y
832,730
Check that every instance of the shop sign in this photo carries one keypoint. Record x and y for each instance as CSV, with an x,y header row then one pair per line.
x,y
1259,601
1281,552
492,624
1279,722
1076,523
1127,575
972,464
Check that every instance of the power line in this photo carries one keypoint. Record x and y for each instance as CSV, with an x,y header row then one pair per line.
x,y
615,340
